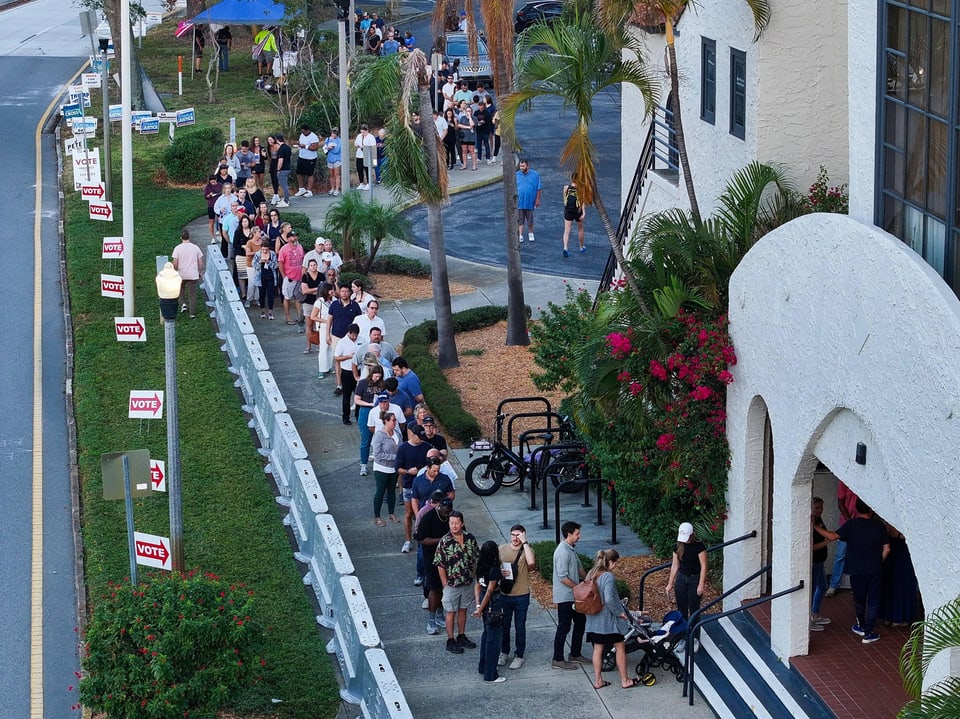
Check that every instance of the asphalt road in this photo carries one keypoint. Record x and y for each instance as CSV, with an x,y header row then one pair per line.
x,y
474,223
39,51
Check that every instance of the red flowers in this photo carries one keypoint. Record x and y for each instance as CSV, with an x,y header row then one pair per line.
x,y
619,344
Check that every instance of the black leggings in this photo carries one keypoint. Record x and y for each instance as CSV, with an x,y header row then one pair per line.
x,y
268,290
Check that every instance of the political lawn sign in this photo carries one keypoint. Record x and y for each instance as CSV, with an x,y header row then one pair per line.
x,y
112,286
112,248
158,475
145,404
130,329
152,551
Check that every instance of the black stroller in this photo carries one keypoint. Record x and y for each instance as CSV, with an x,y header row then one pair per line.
x,y
658,643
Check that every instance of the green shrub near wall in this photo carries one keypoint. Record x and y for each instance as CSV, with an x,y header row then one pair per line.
x,y
193,155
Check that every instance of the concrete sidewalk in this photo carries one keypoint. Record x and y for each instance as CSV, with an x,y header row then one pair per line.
x,y
438,684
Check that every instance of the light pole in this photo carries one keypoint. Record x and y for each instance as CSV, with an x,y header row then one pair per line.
x,y
168,287
105,91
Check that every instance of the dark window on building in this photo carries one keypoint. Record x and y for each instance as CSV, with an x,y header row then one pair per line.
x,y
708,80
738,93
918,137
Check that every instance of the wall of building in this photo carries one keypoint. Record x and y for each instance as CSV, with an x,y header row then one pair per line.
x,y
862,84
844,335
802,121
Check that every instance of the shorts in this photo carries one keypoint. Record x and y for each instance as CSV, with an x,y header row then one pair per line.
x,y
289,288
455,598
573,216
524,217
211,215
334,165
267,55
306,167
407,494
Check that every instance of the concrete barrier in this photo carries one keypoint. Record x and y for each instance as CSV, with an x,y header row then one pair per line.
x,y
382,696
214,265
226,293
329,562
250,361
306,502
286,448
354,633
267,402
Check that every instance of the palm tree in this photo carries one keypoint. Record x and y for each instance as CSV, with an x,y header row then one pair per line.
x,y
380,223
939,632
415,168
498,20
617,13
574,60
345,217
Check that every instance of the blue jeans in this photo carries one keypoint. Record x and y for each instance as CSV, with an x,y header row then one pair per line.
x,y
224,57
483,145
819,587
489,651
283,177
839,559
365,435
515,609
420,568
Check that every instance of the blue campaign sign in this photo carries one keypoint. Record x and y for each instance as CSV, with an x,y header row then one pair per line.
x,y
116,113
186,117
137,116
150,126
71,111
96,64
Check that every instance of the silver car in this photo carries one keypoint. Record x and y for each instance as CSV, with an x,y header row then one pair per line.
x,y
457,50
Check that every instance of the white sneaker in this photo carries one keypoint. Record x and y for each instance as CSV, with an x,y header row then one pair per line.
x,y
516,663
405,549
363,470
308,194
301,192
530,237
213,240
490,161
432,629
363,187
502,659
521,239
814,627
275,200
283,204
425,604
336,193
498,680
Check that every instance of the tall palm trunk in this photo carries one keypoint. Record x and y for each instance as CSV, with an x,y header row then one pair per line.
x,y
615,245
678,123
446,340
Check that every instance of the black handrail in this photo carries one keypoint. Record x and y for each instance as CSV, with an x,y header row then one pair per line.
x,y
666,565
690,664
644,163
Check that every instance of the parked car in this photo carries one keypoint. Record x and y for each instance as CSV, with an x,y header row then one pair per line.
x,y
532,12
456,49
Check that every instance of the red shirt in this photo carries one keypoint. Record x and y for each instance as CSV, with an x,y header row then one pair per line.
x,y
291,261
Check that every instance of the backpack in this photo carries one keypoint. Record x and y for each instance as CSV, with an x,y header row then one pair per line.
x,y
571,202
586,597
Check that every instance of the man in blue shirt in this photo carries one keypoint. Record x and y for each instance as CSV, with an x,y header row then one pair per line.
x,y
409,382
529,188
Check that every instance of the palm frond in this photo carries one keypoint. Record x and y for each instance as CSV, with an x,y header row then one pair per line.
x,y
939,632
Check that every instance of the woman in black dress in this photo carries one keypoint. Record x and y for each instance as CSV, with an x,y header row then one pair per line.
x,y
263,159
488,606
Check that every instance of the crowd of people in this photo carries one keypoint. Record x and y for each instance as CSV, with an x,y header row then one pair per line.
x,y
375,37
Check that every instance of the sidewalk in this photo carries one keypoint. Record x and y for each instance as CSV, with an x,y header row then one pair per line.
x,y
438,684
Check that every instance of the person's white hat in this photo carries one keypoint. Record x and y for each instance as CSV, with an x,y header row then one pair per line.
x,y
686,531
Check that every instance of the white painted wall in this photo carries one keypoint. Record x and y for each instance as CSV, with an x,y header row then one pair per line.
x,y
862,84
848,336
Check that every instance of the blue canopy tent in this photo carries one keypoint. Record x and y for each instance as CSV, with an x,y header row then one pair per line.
x,y
244,12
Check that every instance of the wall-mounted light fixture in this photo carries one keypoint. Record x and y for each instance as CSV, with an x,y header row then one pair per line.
x,y
861,453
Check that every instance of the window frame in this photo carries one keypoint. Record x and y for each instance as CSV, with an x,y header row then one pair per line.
x,y
738,98
708,80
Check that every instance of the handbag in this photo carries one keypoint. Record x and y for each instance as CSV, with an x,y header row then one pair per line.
x,y
586,597
492,617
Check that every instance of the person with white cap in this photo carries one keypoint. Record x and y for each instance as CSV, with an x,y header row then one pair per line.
x,y
688,572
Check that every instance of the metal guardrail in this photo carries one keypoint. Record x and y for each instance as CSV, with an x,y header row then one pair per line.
x,y
353,634
369,679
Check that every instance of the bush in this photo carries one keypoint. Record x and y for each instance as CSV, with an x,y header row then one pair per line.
x,y
543,551
444,400
349,275
301,223
169,647
193,155
398,265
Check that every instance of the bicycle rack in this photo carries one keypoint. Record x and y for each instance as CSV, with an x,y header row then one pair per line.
x,y
598,481
538,464
518,400
549,416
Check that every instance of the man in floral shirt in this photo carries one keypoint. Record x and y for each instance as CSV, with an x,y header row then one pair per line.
x,y
456,562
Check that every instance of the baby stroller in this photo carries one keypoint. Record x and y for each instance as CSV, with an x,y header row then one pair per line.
x,y
658,643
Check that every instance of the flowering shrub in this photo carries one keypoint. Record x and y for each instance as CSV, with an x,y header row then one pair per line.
x,y
652,408
171,646
823,198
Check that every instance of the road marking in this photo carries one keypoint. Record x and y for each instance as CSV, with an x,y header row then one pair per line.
x,y
36,569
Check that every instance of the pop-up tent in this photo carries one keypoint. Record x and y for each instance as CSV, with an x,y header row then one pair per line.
x,y
244,12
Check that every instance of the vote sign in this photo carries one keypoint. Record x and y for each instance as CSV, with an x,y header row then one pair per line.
x,y
158,475
152,551
130,329
112,248
112,286
145,404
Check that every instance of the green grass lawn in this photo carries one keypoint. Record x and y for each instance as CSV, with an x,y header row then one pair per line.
x,y
231,522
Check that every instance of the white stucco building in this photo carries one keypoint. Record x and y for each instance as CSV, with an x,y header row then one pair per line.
x,y
847,329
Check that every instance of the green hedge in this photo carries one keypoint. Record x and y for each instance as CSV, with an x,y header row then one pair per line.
x,y
543,551
193,154
444,399
399,265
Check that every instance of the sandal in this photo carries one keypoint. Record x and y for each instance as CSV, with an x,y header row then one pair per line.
x,y
393,518
379,522
308,350
602,685
635,682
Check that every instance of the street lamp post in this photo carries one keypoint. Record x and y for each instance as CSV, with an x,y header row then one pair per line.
x,y
168,287
105,91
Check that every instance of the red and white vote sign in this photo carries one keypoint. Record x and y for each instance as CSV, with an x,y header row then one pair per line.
x,y
158,475
112,248
145,404
93,192
101,211
130,329
152,551
112,286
